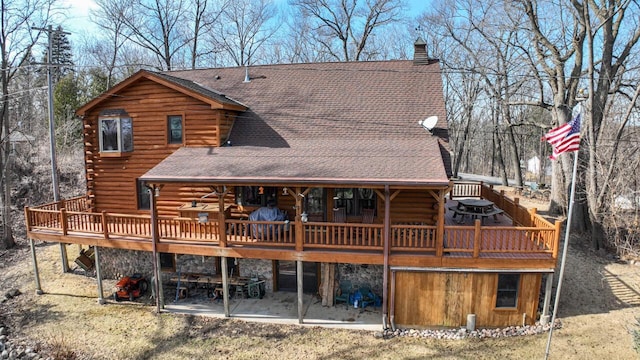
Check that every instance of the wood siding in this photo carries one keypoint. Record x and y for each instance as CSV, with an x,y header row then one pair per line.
x,y
111,181
445,299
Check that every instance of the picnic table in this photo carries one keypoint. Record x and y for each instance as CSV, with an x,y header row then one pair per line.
x,y
475,208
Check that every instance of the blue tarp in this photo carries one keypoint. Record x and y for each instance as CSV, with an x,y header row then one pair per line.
x,y
264,231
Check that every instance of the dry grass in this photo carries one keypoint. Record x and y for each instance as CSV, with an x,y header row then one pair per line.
x,y
68,320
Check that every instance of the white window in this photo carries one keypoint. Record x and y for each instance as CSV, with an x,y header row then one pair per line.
x,y
116,134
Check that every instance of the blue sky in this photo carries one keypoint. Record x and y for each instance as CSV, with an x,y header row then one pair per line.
x,y
78,20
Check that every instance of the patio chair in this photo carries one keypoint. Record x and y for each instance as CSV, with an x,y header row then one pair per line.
x,y
368,216
339,215
343,293
368,297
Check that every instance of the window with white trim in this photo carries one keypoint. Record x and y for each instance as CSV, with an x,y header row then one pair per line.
x,y
115,132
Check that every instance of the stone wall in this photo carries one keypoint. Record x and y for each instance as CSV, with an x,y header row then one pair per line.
x,y
261,268
359,275
116,263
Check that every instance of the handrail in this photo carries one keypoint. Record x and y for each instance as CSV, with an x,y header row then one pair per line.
x,y
531,233
343,235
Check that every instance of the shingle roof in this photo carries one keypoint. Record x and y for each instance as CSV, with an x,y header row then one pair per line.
x,y
322,122
339,161
188,84
379,99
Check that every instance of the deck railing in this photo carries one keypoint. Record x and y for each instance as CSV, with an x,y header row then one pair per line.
x,y
531,234
343,236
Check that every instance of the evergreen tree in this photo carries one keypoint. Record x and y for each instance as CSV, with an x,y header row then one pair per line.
x,y
61,55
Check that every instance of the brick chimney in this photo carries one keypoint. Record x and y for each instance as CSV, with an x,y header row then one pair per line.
x,y
420,52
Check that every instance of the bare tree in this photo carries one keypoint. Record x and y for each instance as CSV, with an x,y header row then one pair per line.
x,y
107,46
17,40
606,63
205,13
491,54
244,27
344,27
159,26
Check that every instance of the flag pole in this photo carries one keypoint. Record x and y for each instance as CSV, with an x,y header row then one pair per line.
x,y
564,252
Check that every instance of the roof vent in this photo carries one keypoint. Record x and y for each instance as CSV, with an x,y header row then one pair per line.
x,y
420,52
246,75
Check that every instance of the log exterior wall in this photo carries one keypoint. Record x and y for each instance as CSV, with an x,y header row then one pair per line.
x,y
445,299
111,181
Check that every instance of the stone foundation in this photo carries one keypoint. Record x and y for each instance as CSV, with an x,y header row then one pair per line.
x,y
116,263
359,275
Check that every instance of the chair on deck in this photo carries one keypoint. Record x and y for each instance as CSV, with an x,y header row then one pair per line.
x,y
339,216
343,293
368,215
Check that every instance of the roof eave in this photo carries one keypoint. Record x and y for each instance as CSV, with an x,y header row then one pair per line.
x,y
151,76
330,182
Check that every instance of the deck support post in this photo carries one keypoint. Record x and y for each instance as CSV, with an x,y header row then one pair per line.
x,y
154,244
36,273
63,256
299,280
386,248
225,285
158,284
96,253
545,317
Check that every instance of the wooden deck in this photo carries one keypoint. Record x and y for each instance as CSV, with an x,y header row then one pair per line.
x,y
516,238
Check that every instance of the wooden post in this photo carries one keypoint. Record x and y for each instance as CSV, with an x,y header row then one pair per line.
x,y
222,232
440,231
386,249
63,221
96,253
516,204
556,240
477,238
154,244
299,280
159,288
324,271
36,273
105,228
225,285
298,221
27,218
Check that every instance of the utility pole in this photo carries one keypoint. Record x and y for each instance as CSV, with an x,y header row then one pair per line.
x,y
52,132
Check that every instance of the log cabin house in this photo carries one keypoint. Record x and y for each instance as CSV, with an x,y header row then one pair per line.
x,y
176,163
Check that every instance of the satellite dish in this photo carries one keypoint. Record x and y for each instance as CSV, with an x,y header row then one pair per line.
x,y
429,123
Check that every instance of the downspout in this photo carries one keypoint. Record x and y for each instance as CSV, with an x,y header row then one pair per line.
x,y
385,273
393,301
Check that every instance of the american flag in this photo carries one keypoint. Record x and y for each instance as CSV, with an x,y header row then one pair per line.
x,y
565,138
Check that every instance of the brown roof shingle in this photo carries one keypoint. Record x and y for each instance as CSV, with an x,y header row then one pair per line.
x,y
339,161
351,122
